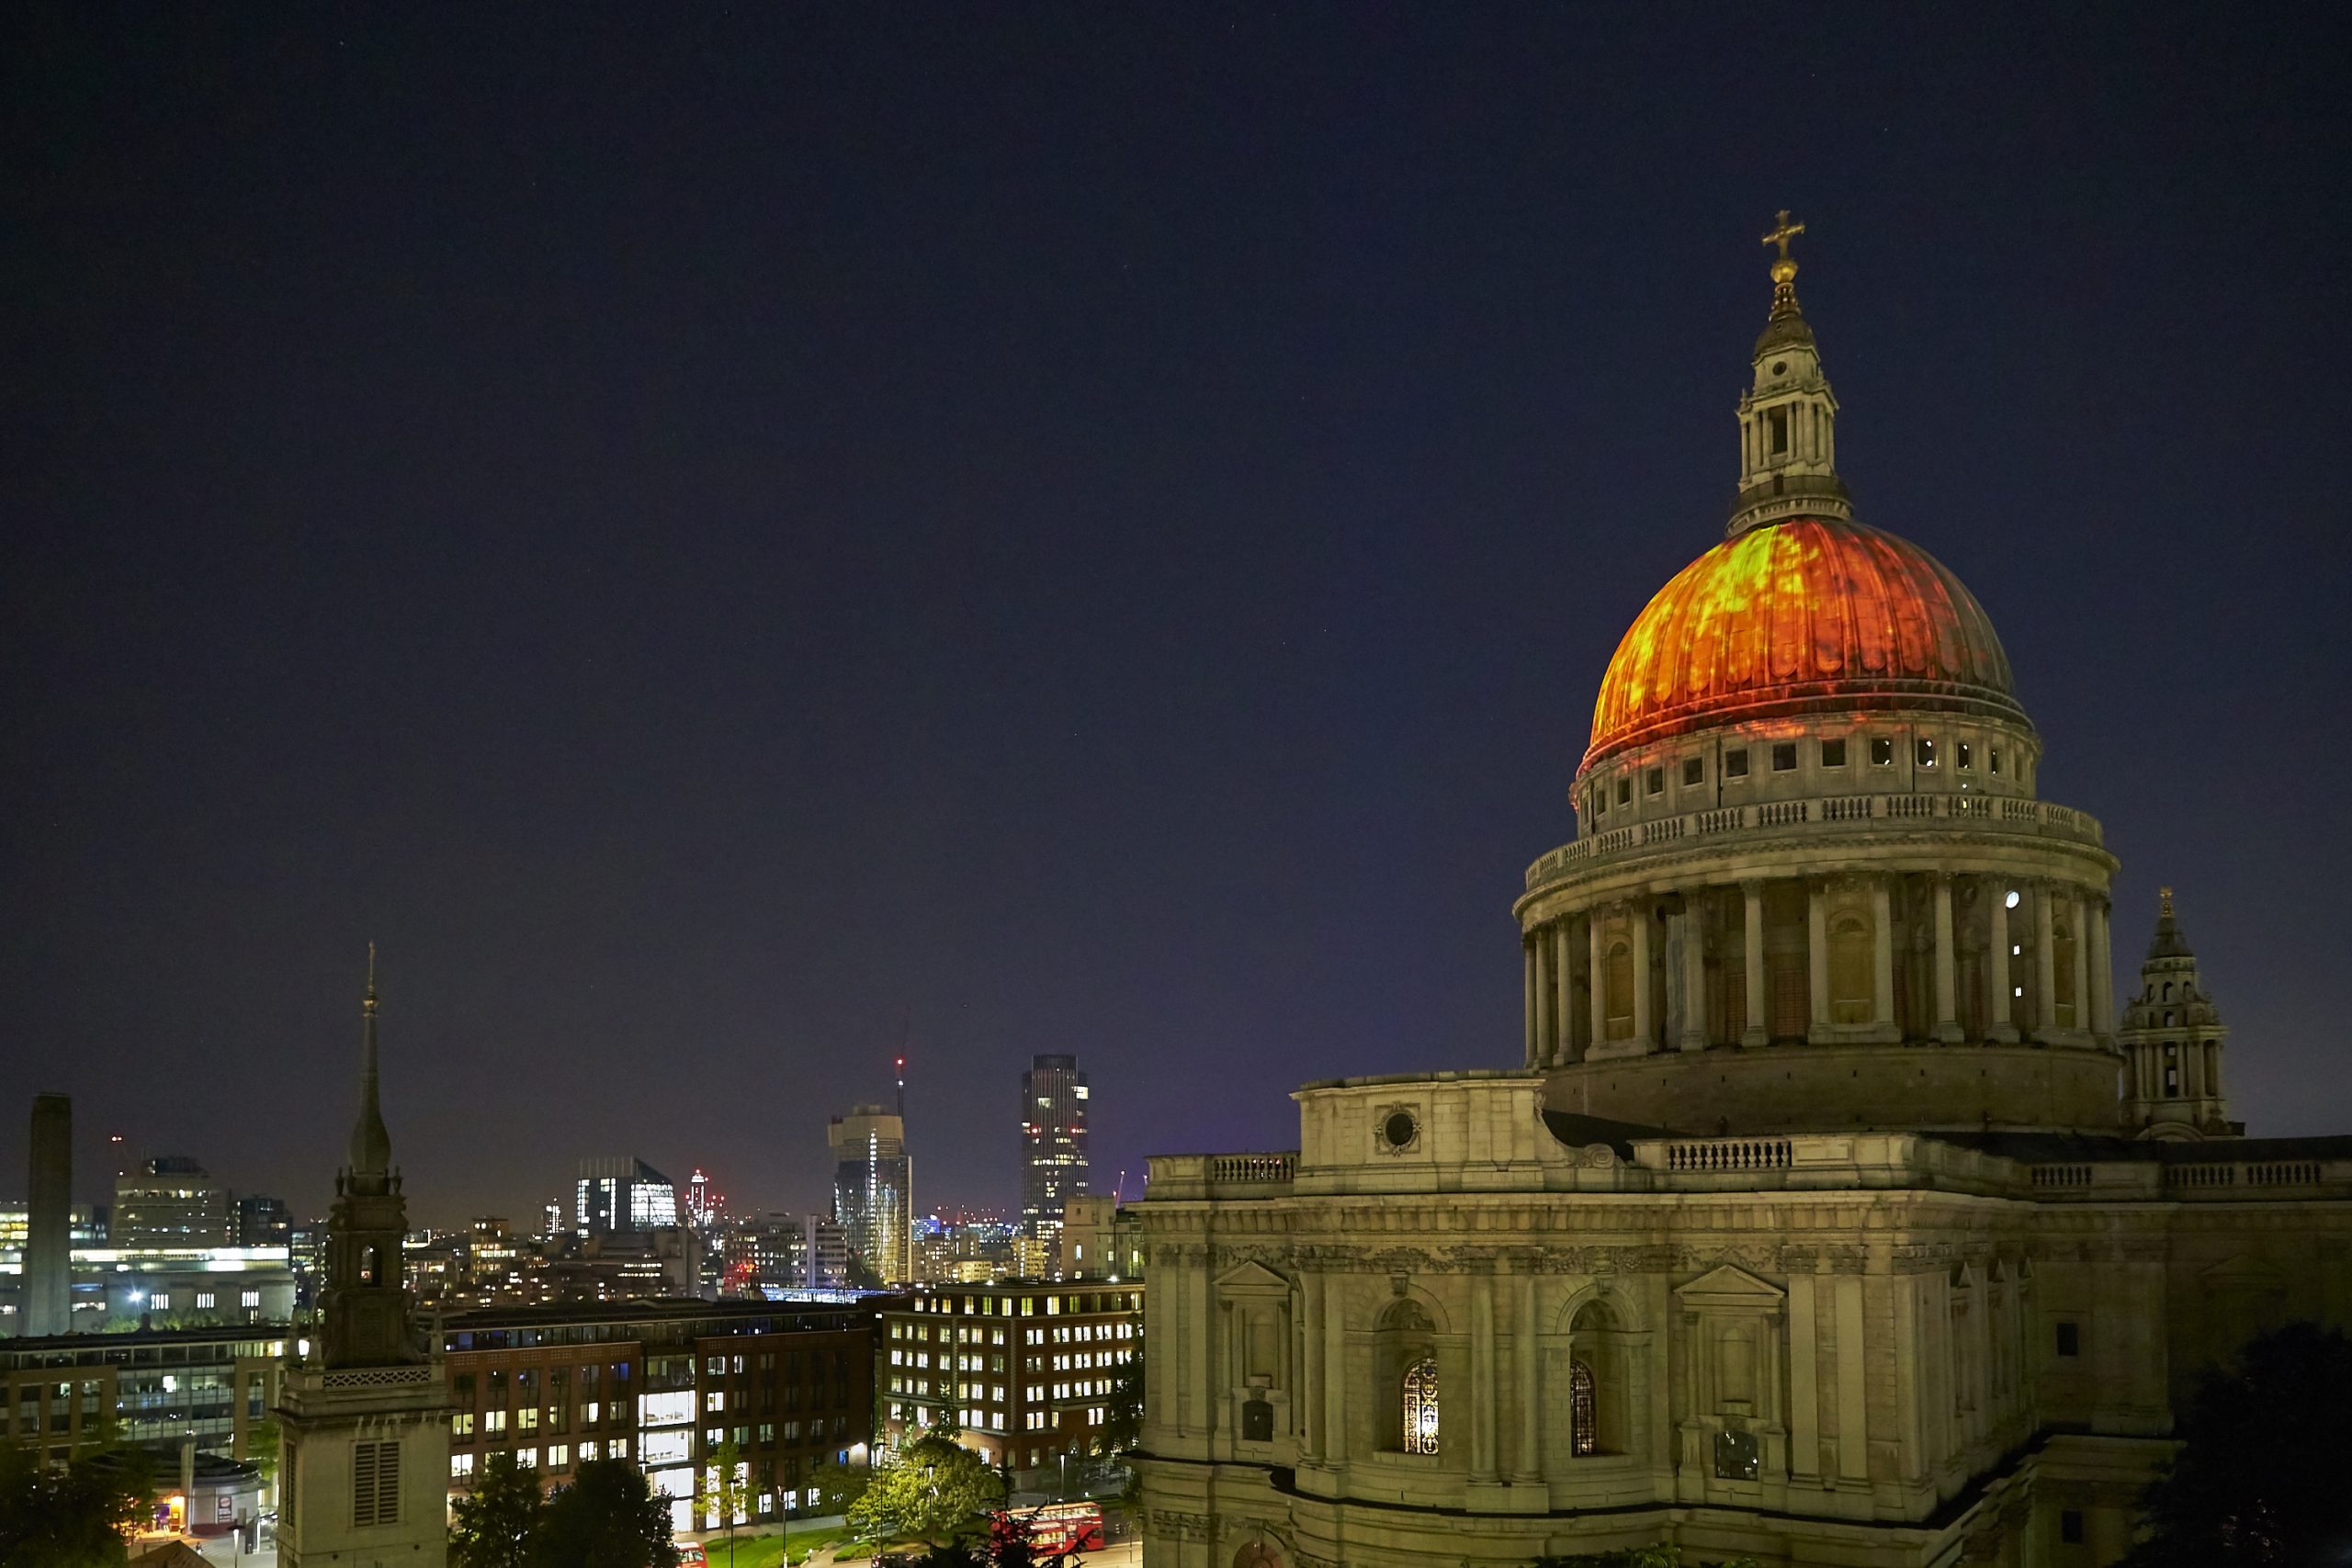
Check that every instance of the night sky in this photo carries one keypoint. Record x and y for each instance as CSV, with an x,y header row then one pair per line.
x,y
721,540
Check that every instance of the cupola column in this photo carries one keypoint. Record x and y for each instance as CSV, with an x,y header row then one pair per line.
x,y
1597,983
1527,1458
1534,1043
1816,953
2082,977
1693,979
1752,896
1564,1017
2001,1015
2102,972
1881,953
1644,1028
2045,960
1947,986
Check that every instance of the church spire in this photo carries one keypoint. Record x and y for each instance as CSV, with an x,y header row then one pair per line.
x,y
371,1160
1787,418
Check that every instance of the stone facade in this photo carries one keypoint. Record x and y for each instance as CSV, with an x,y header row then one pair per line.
x,y
1822,1222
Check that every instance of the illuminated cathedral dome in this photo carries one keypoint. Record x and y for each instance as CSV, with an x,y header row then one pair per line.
x,y
1810,614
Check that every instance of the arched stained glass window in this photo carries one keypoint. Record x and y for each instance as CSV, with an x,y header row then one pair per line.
x,y
1583,1414
1421,1406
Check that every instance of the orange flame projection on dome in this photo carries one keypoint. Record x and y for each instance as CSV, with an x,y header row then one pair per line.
x,y
1809,615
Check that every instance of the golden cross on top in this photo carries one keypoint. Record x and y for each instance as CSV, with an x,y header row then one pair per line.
x,y
1783,233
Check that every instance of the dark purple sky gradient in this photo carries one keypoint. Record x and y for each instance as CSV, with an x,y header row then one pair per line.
x,y
1086,528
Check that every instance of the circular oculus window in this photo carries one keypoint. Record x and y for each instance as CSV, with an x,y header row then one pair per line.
x,y
1400,1128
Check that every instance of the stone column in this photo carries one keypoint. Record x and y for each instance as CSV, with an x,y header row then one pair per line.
x,y
2102,971
1597,1002
1948,1027
1534,1043
2001,1019
1817,955
1883,952
2082,963
1544,1026
1564,1017
1335,1375
1693,979
1752,896
1311,1396
1527,1461
2045,960
1644,1028
1482,1377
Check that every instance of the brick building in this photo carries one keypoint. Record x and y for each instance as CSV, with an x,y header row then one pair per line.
x,y
665,1383
1020,1371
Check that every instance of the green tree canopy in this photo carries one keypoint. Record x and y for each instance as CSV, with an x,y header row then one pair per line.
x,y
933,1489
608,1517
72,1517
2257,1479
496,1522
1122,1416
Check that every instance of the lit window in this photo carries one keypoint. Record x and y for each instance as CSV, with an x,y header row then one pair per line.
x,y
1736,762
1882,751
1784,756
460,1466
2010,902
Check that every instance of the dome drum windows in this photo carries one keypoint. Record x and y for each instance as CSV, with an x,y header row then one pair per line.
x,y
1784,757
1694,770
1736,762
1882,751
1833,754
1654,780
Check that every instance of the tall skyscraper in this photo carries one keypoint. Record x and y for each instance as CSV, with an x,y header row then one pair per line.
x,y
873,1190
49,1274
1053,1144
622,1195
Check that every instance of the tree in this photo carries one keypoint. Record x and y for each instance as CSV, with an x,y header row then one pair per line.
x,y
933,1490
263,1442
2257,1478
73,1517
1122,1416
608,1517
726,1490
833,1487
495,1522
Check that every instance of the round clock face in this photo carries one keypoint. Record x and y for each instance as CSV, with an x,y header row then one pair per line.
x,y
1400,1128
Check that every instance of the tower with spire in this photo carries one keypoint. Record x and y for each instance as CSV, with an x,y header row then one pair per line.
x,y
1788,420
2171,1040
367,1438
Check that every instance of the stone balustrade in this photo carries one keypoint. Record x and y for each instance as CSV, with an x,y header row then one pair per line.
x,y
1838,812
1223,1177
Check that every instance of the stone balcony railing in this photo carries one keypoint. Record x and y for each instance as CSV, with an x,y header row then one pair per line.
x,y
1771,819
1221,1176
1816,1162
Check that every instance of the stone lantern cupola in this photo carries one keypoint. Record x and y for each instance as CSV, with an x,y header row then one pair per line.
x,y
1787,444
2171,1038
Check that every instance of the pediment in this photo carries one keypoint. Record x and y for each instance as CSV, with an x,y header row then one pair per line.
x,y
1249,1279
1728,1286
2242,1270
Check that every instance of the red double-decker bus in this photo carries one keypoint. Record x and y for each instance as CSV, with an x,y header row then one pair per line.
x,y
1055,1529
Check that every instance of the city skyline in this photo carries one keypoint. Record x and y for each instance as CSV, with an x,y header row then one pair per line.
x,y
1188,562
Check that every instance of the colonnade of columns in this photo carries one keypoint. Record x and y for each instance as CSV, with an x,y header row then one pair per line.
x,y
2010,1010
